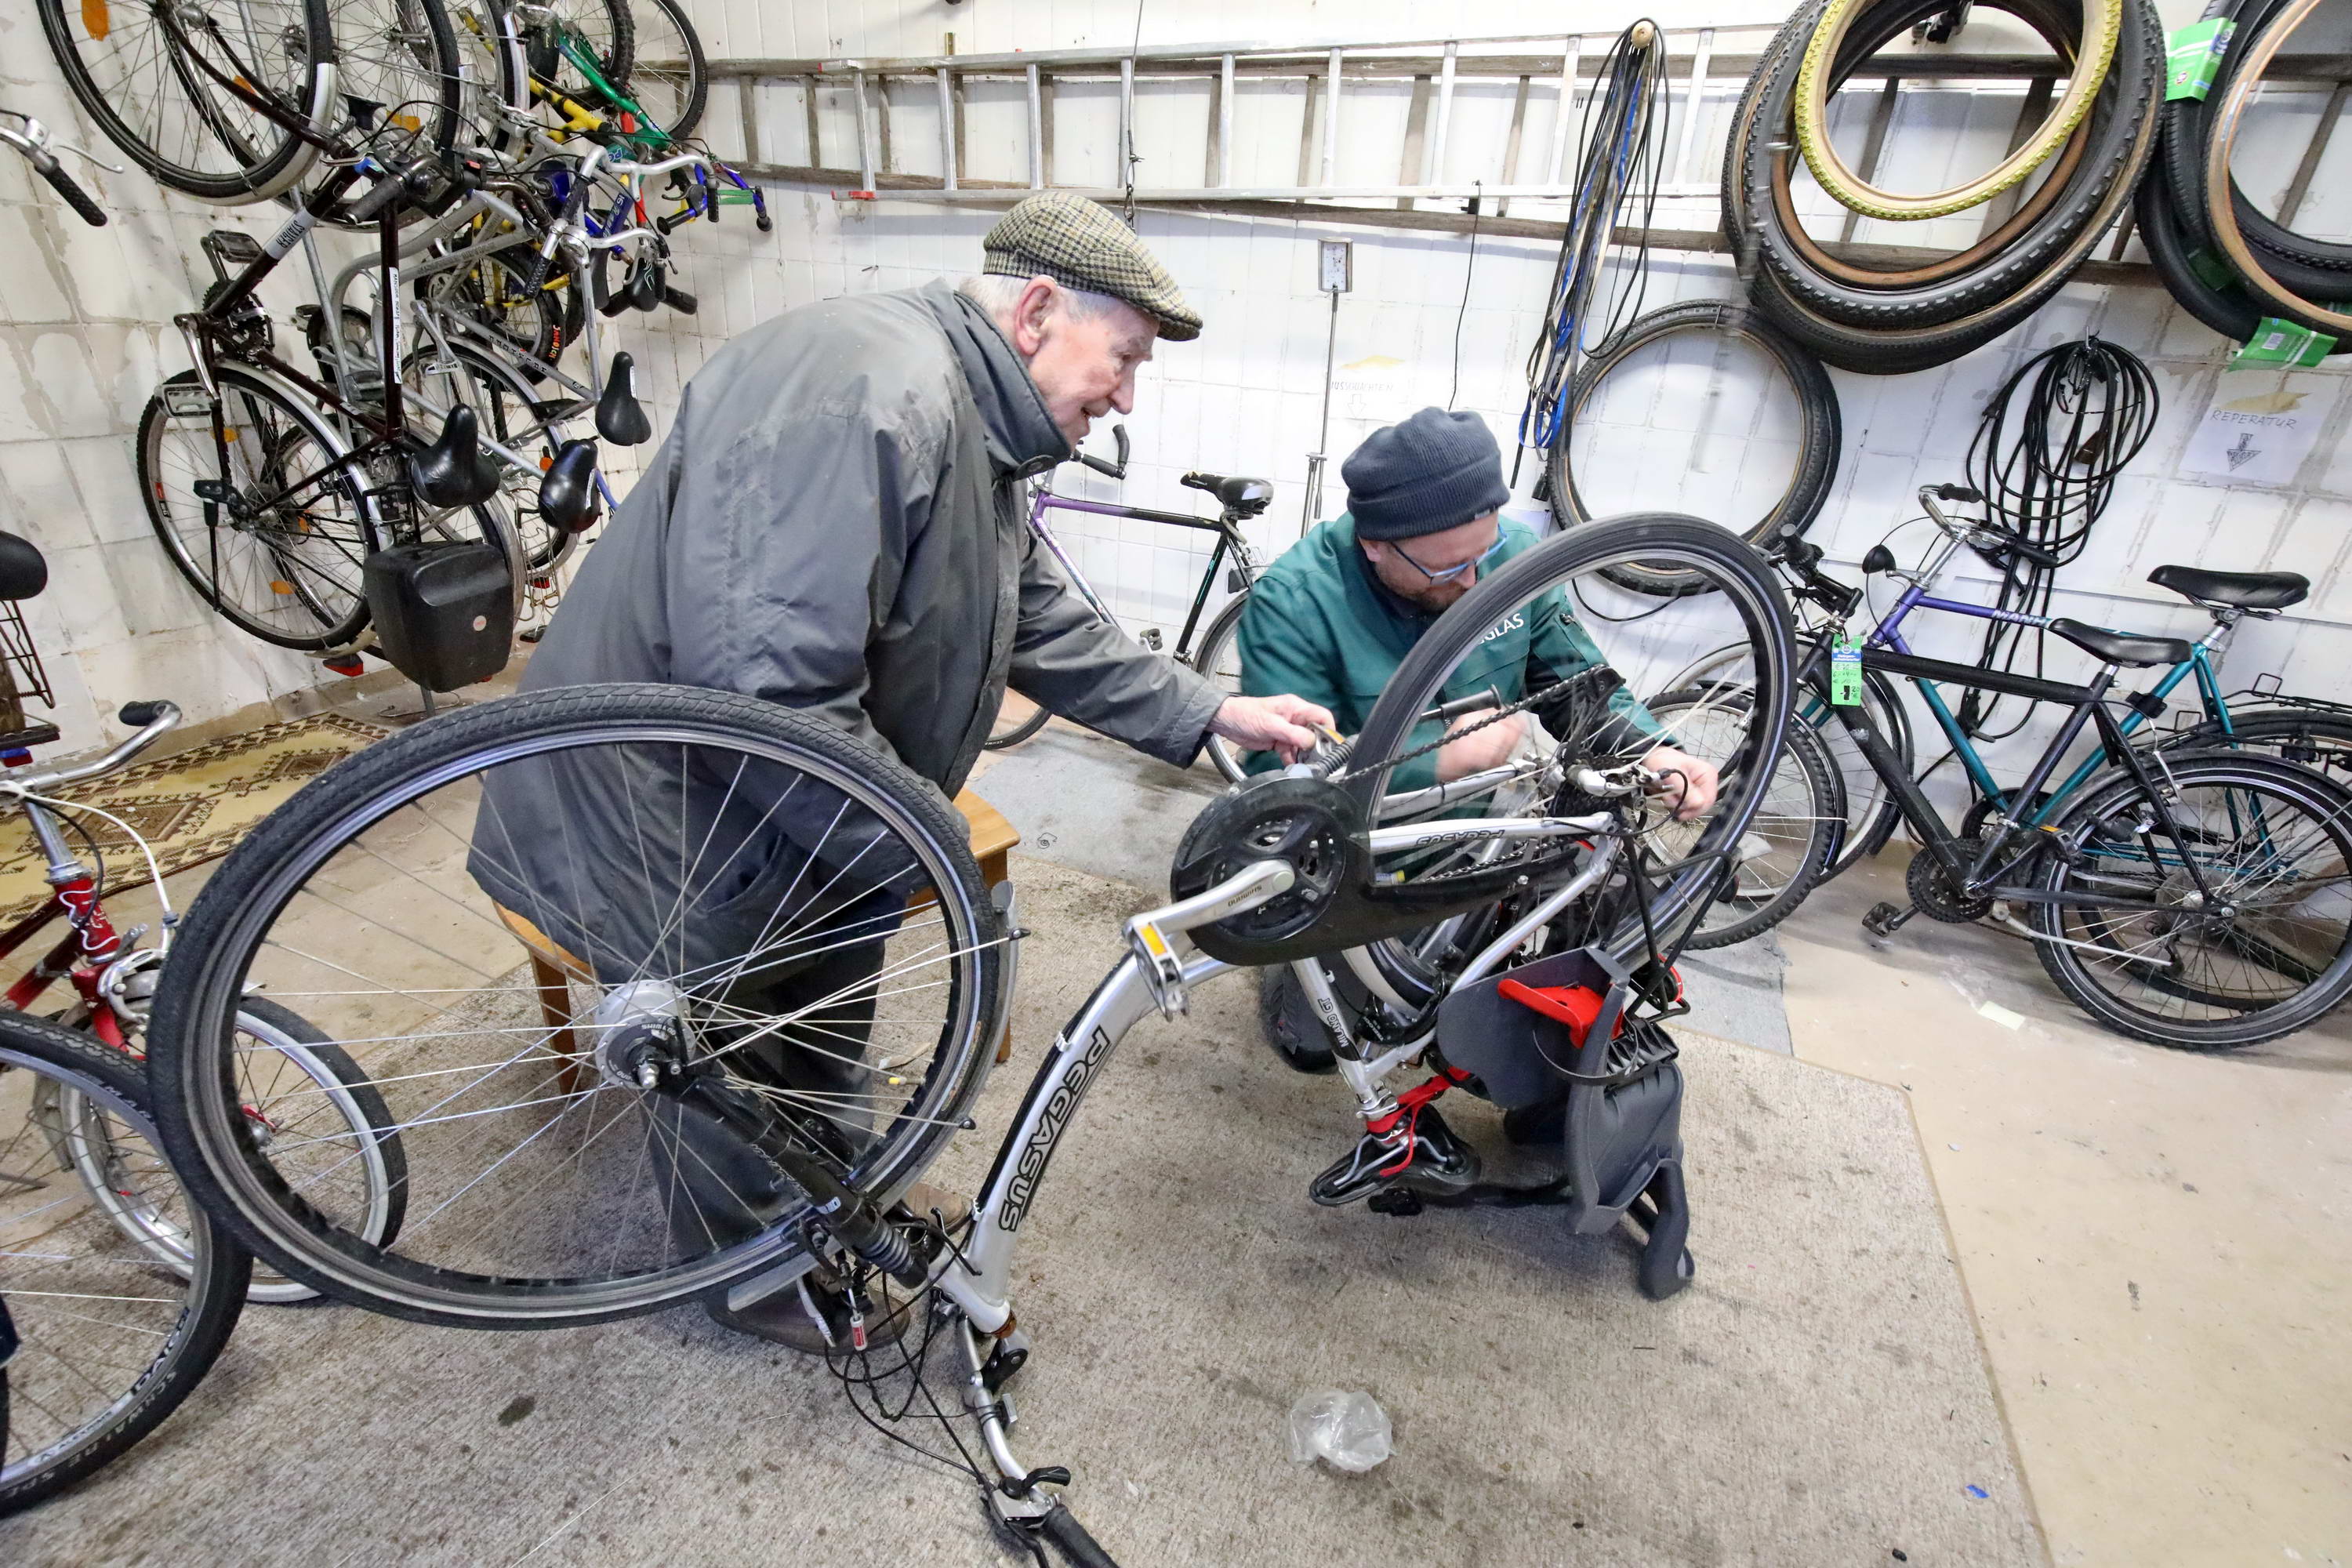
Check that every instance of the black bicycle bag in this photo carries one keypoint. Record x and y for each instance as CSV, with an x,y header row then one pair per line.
x,y
444,612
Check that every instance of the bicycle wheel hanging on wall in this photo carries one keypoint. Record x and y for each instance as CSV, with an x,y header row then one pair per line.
x,y
1707,408
151,86
1865,313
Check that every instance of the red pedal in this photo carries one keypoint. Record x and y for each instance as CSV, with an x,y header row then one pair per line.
x,y
345,664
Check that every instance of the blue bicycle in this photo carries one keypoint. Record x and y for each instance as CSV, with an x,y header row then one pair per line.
x,y
2192,893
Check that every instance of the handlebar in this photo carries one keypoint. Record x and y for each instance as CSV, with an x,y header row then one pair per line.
x,y
33,143
1114,468
1976,535
154,719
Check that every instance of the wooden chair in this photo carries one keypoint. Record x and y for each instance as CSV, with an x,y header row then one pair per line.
x,y
553,968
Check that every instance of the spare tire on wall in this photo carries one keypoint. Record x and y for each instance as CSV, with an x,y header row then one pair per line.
x,y
1910,314
1796,382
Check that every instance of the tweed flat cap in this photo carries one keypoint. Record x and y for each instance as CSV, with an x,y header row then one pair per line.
x,y
1081,244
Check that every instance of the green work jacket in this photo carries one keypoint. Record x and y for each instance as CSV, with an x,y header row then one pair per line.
x,y
1320,623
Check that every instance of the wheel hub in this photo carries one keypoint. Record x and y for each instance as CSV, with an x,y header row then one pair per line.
x,y
641,1034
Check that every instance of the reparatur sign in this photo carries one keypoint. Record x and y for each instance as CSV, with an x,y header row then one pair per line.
x,y
2256,438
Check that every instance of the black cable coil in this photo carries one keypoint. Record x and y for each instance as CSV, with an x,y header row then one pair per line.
x,y
2047,452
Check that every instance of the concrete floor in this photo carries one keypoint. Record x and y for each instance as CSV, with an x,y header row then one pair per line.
x,y
2155,1244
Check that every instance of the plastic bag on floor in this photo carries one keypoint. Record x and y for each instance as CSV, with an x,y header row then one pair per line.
x,y
1349,1429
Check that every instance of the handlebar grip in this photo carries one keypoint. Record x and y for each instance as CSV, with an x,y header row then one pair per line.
x,y
1965,493
2026,547
1100,467
389,188
678,299
1071,1540
139,715
64,184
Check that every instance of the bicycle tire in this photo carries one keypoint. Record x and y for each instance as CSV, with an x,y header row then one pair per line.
x,y
251,159
212,1301
1815,397
685,80
241,908
324,583
611,38
1208,655
2308,737
1875,330
2321,804
1804,777
1751,594
1008,736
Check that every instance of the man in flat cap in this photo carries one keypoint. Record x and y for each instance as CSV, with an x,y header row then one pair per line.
x,y
1333,618
834,524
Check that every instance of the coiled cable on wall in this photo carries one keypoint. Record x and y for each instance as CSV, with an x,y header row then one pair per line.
x,y
2047,452
1622,149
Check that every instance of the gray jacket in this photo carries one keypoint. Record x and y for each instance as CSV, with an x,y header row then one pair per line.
x,y
835,524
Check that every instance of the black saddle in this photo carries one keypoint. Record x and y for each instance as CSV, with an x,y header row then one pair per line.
x,y
2121,648
23,573
454,470
2240,590
620,417
1240,497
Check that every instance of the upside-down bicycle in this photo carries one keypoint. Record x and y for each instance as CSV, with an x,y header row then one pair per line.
x,y
573,902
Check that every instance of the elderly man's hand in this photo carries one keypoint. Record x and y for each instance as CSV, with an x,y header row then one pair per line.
x,y
1287,726
1686,781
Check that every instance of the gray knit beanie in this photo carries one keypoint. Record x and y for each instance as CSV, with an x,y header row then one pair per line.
x,y
1435,471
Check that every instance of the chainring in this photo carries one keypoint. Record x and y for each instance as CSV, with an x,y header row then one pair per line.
x,y
1930,887
1308,822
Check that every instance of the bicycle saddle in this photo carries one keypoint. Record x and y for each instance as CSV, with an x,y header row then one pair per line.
x,y
1240,496
2121,648
620,417
567,491
454,470
2240,590
23,573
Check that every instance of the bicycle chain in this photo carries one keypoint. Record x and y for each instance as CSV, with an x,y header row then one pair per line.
x,y
1506,711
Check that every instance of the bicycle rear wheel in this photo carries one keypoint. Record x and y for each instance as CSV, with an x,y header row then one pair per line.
x,y
572,937
280,553
1017,719
1218,656
1563,588
111,1341
399,80
149,92
2255,943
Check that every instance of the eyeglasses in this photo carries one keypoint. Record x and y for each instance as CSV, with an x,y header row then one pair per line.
x,y
1451,573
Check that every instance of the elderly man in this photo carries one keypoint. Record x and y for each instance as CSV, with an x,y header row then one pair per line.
x,y
1333,618
833,524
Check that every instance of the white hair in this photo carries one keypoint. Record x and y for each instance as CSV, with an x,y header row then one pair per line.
x,y
998,293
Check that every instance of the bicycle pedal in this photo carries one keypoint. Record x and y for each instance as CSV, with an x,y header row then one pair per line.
x,y
1402,1201
1884,921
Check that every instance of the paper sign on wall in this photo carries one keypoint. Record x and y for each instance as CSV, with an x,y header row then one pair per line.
x,y
1371,389
2259,439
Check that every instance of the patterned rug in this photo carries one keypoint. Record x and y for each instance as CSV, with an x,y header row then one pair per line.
x,y
191,806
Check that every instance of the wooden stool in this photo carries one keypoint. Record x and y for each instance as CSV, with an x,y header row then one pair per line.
x,y
552,967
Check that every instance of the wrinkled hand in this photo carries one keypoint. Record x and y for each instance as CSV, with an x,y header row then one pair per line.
x,y
1490,748
1687,782
1285,725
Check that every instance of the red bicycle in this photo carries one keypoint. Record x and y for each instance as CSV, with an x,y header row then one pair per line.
x,y
303,1095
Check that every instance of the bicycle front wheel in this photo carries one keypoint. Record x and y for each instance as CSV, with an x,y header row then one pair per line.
x,y
1786,849
1218,656
111,1341
1552,633
2233,930
602,951
255,505
151,93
